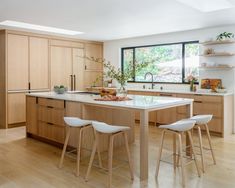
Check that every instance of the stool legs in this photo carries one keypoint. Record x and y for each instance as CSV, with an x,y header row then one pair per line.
x,y
201,148
209,140
160,153
110,160
79,151
128,155
174,152
65,146
181,158
193,153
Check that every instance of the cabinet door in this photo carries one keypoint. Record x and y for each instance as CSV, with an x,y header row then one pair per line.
x,y
17,57
31,115
16,108
96,51
39,66
61,66
93,78
78,68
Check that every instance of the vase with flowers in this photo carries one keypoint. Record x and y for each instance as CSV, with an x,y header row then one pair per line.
x,y
121,76
191,79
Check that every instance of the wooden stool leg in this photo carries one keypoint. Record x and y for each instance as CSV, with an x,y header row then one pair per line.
x,y
79,150
209,140
110,160
98,150
174,151
193,153
160,153
91,159
65,147
201,148
128,155
181,159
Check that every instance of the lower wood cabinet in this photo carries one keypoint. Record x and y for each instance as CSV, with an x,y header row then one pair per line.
x,y
221,107
16,108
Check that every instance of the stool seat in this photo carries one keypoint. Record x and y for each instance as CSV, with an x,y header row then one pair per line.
x,y
108,129
76,122
182,125
202,119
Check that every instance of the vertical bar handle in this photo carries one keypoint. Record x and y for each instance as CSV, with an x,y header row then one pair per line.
x,y
74,82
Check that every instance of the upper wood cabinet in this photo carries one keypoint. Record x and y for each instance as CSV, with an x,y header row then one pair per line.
x,y
61,66
18,62
39,66
96,51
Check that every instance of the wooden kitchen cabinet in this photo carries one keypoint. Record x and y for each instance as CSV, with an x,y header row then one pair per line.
x,y
96,51
61,66
16,108
31,115
39,63
18,62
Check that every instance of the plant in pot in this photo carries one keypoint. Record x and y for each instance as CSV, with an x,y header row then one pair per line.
x,y
225,36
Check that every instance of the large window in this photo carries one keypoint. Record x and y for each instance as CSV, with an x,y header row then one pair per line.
x,y
172,63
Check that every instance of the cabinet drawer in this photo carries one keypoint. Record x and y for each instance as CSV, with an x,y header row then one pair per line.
x,y
51,103
52,132
207,108
205,98
51,115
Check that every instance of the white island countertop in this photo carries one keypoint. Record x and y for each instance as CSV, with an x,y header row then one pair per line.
x,y
138,101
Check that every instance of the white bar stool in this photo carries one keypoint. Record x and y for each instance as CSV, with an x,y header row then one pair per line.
x,y
73,122
177,129
203,120
112,131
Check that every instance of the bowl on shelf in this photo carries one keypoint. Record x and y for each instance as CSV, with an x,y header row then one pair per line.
x,y
60,89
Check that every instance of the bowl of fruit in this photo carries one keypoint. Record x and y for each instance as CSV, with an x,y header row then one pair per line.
x,y
60,89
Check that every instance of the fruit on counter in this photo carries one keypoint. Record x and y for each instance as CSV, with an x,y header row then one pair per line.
x,y
104,92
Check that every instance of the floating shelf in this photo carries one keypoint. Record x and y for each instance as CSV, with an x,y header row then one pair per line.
x,y
217,68
218,42
218,54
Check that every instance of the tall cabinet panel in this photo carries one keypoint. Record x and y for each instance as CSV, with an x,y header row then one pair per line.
x,y
61,66
39,66
78,68
18,61
96,51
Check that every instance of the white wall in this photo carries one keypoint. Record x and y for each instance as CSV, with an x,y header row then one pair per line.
x,y
112,51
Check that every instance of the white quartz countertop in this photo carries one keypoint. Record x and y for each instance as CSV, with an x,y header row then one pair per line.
x,y
138,101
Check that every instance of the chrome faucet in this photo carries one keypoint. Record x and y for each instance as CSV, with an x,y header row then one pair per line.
x,y
149,73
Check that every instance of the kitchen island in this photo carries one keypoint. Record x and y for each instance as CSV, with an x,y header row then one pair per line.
x,y
45,112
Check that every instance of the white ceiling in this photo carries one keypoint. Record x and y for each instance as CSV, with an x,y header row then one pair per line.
x,y
113,19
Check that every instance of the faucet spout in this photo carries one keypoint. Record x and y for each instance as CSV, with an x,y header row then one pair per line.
x,y
151,74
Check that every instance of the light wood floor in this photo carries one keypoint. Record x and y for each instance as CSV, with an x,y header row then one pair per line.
x,y
30,163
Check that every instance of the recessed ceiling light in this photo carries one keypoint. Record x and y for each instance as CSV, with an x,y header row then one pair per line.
x,y
39,27
207,5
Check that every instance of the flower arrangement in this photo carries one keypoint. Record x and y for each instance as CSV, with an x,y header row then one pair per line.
x,y
117,74
224,36
191,79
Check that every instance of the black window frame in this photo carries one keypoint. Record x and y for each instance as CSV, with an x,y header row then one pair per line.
x,y
164,44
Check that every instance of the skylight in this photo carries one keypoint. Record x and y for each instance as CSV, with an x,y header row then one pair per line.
x,y
39,27
207,5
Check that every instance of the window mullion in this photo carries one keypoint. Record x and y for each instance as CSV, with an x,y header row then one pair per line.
x,y
183,62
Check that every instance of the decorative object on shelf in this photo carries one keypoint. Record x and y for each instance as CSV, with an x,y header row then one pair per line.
x,y
111,72
60,89
209,51
191,79
225,36
211,83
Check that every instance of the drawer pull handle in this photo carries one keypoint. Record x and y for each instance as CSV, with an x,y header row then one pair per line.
x,y
50,107
198,101
50,123
167,95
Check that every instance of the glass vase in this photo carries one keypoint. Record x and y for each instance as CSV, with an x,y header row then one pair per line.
x,y
122,91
